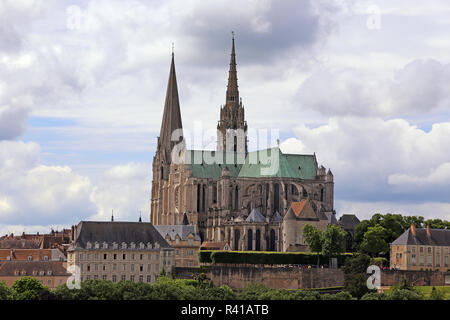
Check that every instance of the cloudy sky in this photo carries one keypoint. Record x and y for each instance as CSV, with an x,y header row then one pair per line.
x,y
364,84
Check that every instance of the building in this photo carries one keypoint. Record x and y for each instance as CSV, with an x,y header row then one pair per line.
x,y
421,249
7,255
184,240
299,215
119,251
220,245
349,222
232,194
49,273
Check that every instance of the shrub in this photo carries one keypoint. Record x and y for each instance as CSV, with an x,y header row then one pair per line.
x,y
270,258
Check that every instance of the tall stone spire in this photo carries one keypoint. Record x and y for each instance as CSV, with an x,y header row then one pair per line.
x,y
232,88
171,117
232,127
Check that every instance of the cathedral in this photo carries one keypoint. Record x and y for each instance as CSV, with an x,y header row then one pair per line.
x,y
250,199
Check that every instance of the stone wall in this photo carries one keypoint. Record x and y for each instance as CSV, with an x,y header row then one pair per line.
x,y
273,277
416,278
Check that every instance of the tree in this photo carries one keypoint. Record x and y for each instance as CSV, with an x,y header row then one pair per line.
x,y
333,241
313,238
374,241
4,291
27,288
355,277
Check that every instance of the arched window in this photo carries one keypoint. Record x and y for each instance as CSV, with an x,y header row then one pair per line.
x,y
276,197
214,194
321,194
258,240
237,235
272,240
162,172
250,240
203,198
198,198
236,198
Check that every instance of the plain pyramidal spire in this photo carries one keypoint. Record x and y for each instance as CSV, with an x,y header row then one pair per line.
x,y
171,120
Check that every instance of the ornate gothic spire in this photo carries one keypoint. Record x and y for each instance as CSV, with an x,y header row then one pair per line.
x,y
171,117
232,88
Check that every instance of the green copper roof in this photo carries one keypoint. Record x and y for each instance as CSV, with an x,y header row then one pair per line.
x,y
209,164
258,164
274,163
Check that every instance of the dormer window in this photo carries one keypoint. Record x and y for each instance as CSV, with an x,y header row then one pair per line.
x,y
124,245
115,245
49,272
89,245
42,273
23,273
141,245
133,245
16,272
149,245
97,245
30,258
105,245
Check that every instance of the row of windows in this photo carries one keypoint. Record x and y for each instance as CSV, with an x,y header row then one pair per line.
x,y
189,252
133,268
428,249
116,256
115,278
132,245
30,258
34,273
429,260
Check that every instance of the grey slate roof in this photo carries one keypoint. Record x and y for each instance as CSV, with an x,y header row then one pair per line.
x,y
181,230
439,237
331,218
255,216
118,232
348,221
276,217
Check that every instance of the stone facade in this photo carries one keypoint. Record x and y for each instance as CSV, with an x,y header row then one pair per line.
x,y
218,190
119,251
421,249
184,241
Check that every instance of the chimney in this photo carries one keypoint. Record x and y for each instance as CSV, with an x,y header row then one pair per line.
x,y
413,229
428,230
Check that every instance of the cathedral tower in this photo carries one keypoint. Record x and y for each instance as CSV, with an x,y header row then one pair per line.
x,y
170,135
232,127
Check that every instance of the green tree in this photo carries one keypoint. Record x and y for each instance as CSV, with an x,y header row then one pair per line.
x,y
355,276
333,241
4,291
27,288
374,240
313,238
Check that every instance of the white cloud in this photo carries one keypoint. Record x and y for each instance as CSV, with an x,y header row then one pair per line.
x,y
372,159
33,194
421,86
